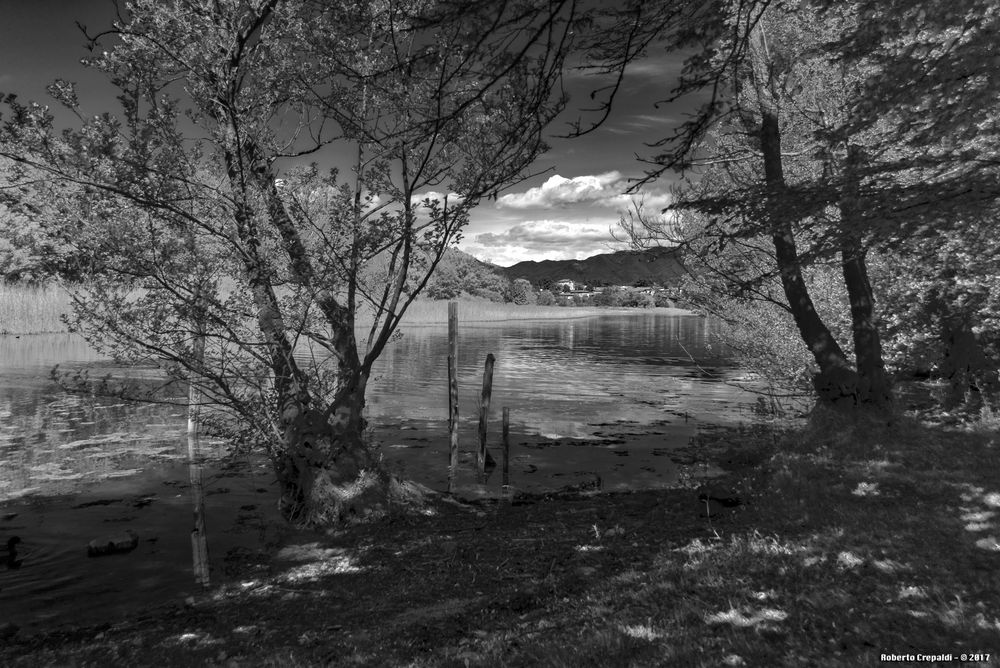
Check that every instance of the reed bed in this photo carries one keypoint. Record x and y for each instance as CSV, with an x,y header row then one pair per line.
x,y
32,309
37,309
427,312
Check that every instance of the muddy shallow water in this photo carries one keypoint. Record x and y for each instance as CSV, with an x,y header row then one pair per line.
x,y
609,398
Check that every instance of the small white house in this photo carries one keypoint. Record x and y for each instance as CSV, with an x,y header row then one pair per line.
x,y
567,283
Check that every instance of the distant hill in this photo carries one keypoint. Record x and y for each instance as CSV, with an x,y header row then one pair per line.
x,y
656,265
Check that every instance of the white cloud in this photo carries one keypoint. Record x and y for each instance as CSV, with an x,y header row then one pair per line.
x,y
605,190
417,199
546,232
543,240
560,191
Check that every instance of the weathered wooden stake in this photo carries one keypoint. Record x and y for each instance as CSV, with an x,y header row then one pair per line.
x,y
199,535
483,457
506,451
452,393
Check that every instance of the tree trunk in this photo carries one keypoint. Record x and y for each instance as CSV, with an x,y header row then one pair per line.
x,y
327,470
874,388
836,382
965,365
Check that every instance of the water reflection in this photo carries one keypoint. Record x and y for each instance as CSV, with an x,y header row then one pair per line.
x,y
561,377
610,396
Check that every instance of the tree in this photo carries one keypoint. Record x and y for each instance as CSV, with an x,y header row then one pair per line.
x,y
31,249
933,188
545,298
521,292
825,116
609,297
785,163
942,302
773,81
233,266
458,274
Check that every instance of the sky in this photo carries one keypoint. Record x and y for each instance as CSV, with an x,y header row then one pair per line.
x,y
567,211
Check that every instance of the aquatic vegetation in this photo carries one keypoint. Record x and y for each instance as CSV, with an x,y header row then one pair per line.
x,y
32,309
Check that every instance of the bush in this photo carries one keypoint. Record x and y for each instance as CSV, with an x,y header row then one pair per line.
x,y
521,292
609,298
459,274
545,298
661,299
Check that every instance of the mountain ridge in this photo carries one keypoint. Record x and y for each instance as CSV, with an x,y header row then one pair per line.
x,y
659,265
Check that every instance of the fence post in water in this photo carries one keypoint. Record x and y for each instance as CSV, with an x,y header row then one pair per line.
x,y
505,490
483,457
199,537
452,393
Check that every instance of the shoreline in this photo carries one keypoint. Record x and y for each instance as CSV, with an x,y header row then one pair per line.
x,y
613,578
556,314
588,312
247,500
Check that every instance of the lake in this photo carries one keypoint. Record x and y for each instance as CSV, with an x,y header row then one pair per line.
x,y
609,397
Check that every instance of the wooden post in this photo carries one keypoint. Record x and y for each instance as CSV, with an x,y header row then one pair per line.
x,y
452,393
505,490
199,536
483,457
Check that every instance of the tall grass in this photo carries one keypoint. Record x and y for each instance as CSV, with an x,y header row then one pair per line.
x,y
428,312
26,309
32,309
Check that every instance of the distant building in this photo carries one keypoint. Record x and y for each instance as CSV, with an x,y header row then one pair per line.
x,y
567,283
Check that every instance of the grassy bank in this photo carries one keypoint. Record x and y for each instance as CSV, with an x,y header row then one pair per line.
x,y
850,543
26,309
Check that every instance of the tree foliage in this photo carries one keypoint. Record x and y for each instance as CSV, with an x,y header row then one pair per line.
x,y
34,246
545,298
820,143
459,274
521,292
215,235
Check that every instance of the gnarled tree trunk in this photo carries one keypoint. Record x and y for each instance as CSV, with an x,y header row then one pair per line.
x,y
327,470
836,383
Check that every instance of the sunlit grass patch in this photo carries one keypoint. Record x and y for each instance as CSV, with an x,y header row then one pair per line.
x,y
315,562
848,560
642,632
989,543
910,591
889,566
865,488
748,618
854,551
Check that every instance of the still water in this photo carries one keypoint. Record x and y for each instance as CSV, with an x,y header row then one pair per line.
x,y
608,396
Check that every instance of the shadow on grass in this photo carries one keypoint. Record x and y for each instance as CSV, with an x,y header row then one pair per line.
x,y
851,541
